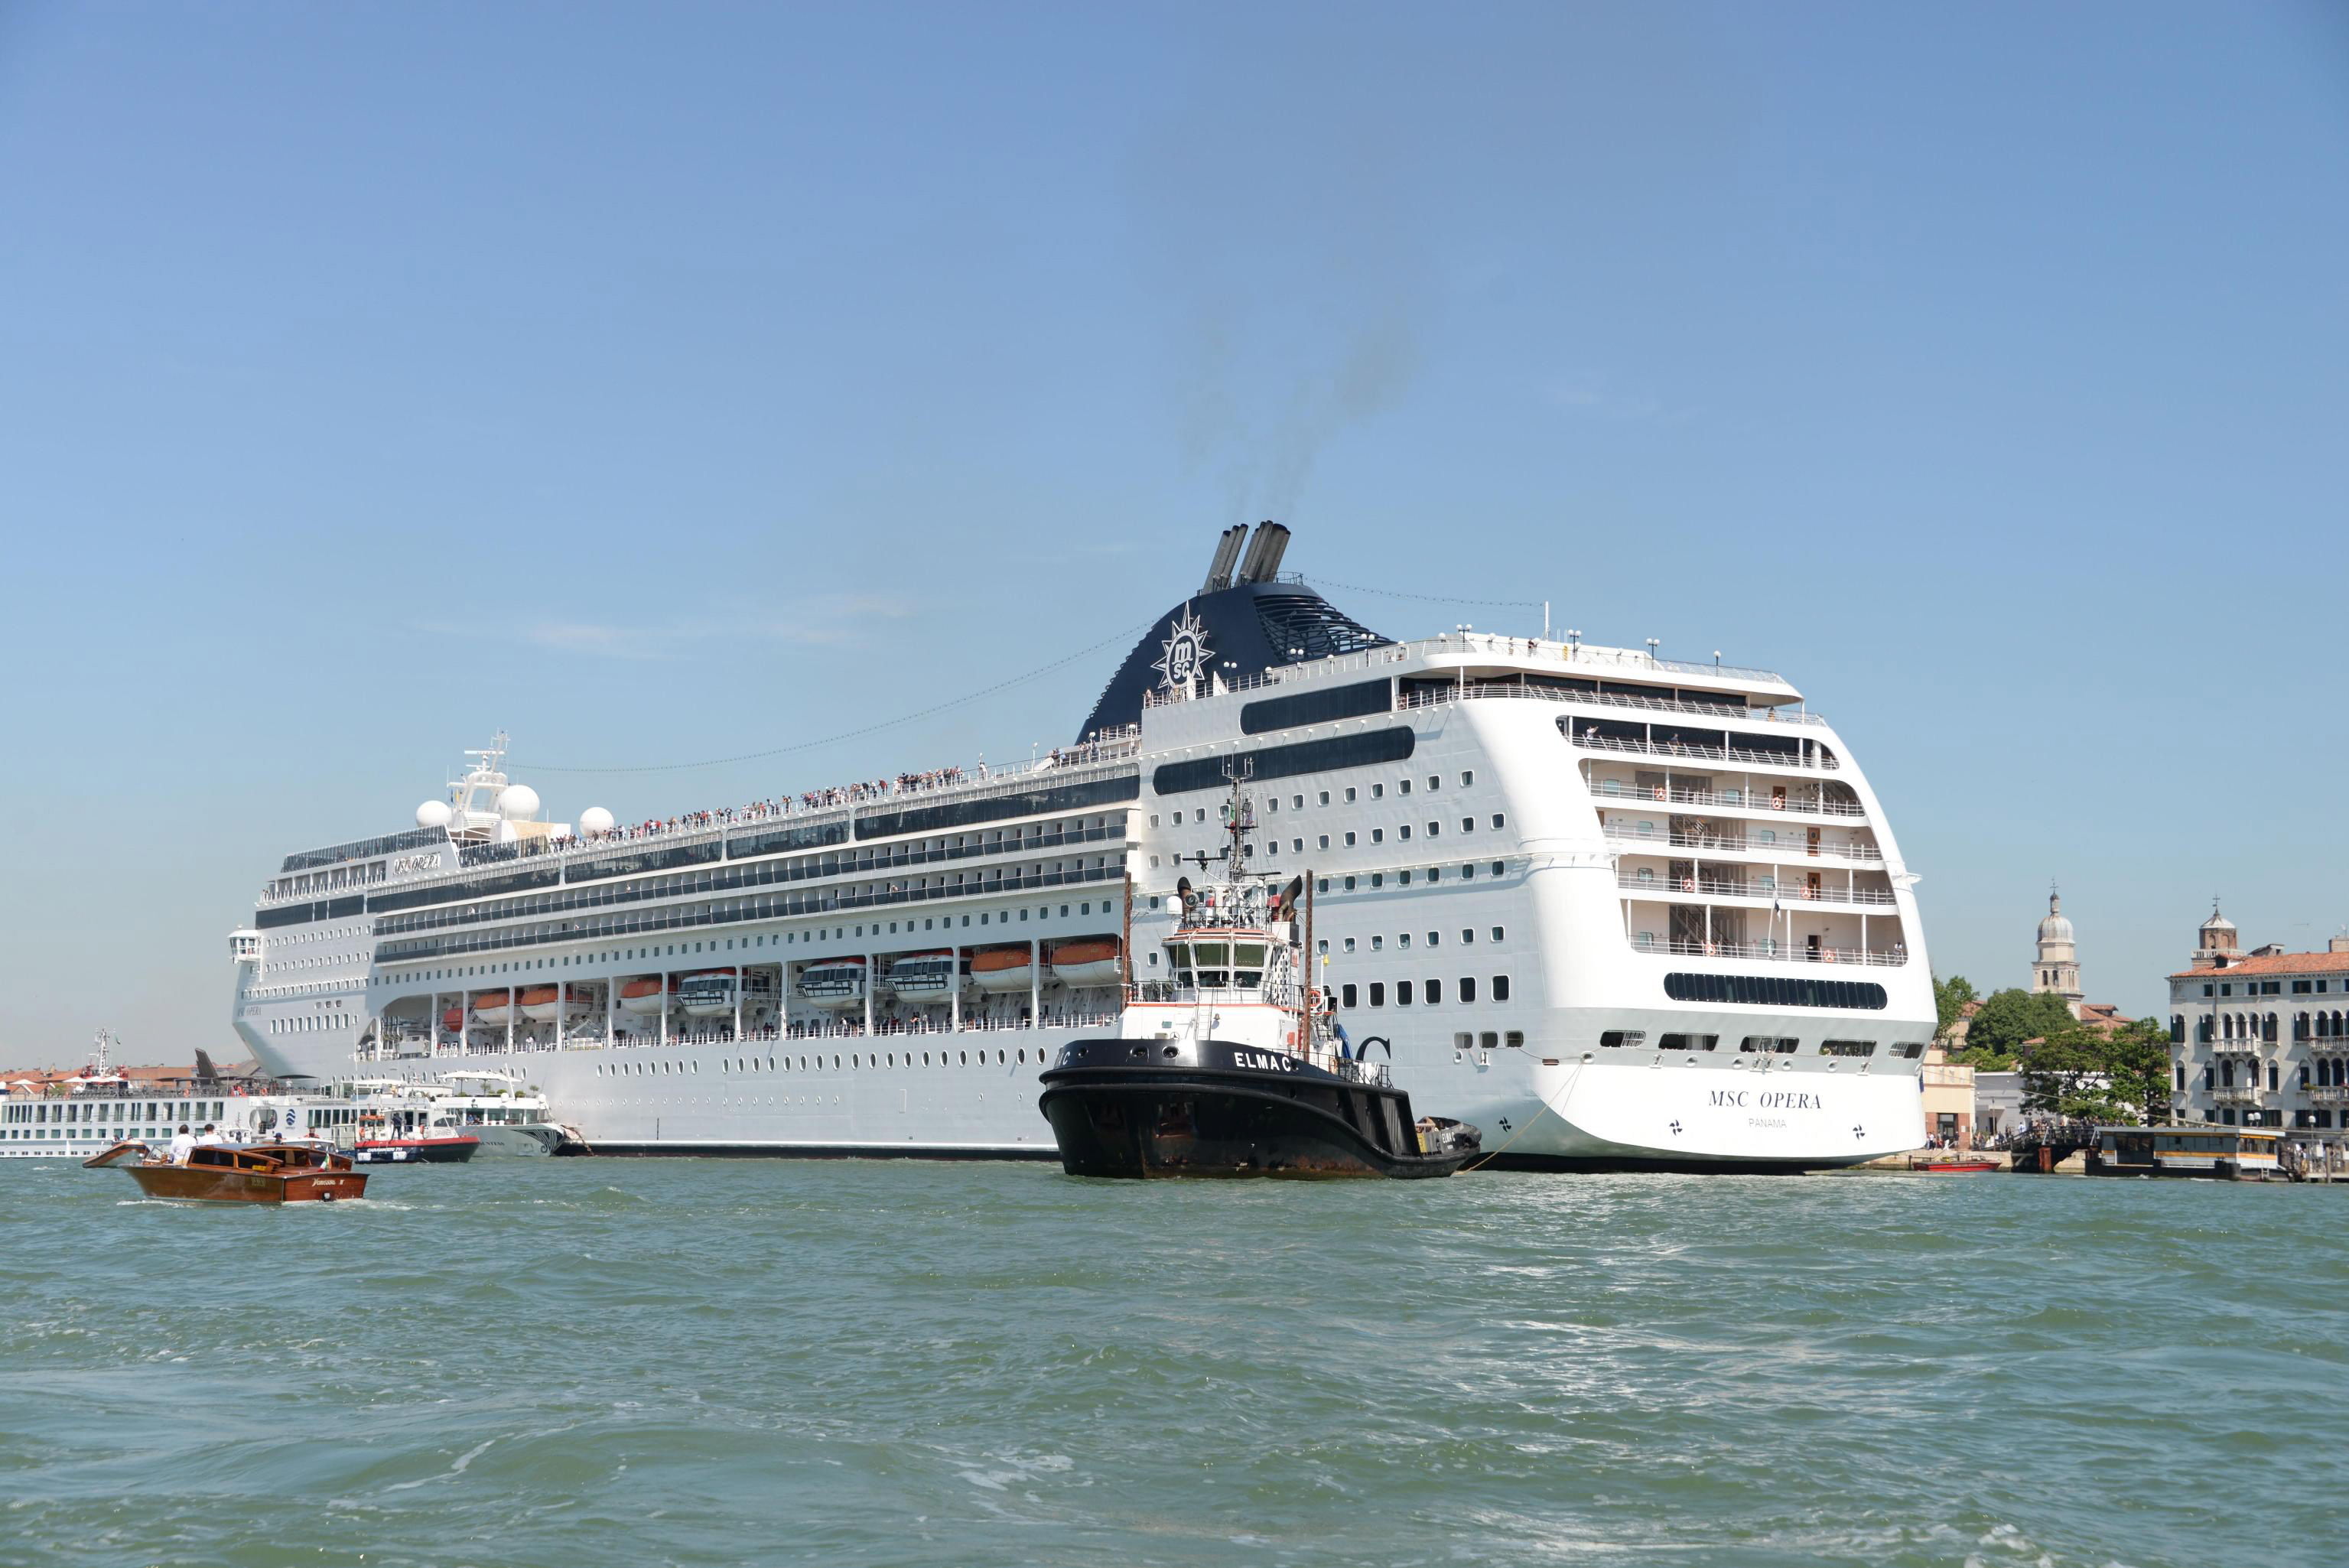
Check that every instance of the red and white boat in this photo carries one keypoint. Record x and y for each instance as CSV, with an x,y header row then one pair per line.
x,y
1092,961
540,1003
491,1007
1001,970
643,996
706,993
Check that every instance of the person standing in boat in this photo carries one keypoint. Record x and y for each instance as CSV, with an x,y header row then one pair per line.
x,y
183,1143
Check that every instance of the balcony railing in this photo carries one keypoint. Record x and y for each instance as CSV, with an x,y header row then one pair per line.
x,y
2235,1047
1695,887
1793,849
2236,1095
1616,791
2327,1093
1777,953
1681,750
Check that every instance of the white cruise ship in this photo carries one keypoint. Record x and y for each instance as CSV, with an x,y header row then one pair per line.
x,y
1614,909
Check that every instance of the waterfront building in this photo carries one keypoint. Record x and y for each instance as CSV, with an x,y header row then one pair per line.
x,y
1948,1090
2261,1038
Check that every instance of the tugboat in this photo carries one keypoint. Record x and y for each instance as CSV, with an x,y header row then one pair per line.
x,y
1234,1066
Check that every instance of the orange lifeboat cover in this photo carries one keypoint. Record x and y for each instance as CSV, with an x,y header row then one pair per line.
x,y
997,959
1093,950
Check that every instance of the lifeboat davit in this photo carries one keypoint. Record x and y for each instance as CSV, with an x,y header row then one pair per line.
x,y
706,993
491,1007
1092,961
924,976
539,1004
1000,969
837,984
642,995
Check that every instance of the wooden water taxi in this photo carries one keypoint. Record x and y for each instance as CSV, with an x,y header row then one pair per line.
x,y
221,1173
1956,1165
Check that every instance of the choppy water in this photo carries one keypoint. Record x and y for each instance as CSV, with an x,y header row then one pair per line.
x,y
581,1363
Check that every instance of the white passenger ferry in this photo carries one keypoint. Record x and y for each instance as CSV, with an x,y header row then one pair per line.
x,y
1612,909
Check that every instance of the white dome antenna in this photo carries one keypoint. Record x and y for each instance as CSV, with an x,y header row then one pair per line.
x,y
518,803
435,814
594,819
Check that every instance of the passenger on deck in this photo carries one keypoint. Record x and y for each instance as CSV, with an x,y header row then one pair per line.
x,y
183,1142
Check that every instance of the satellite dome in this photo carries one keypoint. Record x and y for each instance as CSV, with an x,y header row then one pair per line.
x,y
594,819
435,814
518,803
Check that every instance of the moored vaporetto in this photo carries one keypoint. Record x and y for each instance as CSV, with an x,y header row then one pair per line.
x,y
1611,909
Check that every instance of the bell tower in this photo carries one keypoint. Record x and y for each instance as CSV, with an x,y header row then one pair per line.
x,y
2057,967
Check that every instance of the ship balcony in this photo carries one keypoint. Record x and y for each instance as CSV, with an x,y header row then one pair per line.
x,y
1668,743
1611,783
1755,890
2237,1094
1807,934
1646,836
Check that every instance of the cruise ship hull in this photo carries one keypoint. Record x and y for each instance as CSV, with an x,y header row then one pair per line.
x,y
1665,1111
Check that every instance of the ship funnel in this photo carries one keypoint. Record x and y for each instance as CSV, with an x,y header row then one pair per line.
x,y
1228,552
1263,562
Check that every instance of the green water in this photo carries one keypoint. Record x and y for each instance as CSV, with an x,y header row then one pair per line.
x,y
580,1363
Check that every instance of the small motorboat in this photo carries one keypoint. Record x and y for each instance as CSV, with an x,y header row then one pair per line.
x,y
1961,1165
436,1148
225,1173
1234,1066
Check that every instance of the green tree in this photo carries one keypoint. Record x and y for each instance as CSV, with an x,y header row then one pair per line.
x,y
2137,1059
2007,1019
2091,1076
1949,999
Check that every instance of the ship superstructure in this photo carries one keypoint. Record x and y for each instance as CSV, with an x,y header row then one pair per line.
x,y
1610,908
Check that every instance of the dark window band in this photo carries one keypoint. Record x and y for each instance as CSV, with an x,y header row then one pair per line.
x,y
1026,803
1776,991
1351,701
1393,745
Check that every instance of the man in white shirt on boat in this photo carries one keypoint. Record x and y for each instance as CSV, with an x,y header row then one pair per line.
x,y
209,1137
183,1143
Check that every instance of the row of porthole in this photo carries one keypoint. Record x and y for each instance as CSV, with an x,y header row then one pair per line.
x,y
851,1062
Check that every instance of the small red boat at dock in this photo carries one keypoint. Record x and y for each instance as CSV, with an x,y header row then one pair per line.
x,y
1968,1166
225,1173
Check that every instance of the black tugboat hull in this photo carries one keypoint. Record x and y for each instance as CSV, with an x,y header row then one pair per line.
x,y
1213,1120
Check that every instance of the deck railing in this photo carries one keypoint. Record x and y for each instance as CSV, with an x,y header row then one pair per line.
x,y
1692,887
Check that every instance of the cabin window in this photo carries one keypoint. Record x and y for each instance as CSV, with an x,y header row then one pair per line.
x,y
1623,1038
1847,1048
1434,992
1402,993
1468,988
1378,994
1500,987
1689,1042
1514,1040
1345,995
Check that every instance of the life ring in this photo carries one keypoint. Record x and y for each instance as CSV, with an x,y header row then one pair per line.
x,y
1712,950
1687,884
1777,803
1827,955
1659,792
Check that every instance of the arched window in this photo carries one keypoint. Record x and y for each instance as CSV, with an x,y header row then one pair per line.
x,y
2177,1028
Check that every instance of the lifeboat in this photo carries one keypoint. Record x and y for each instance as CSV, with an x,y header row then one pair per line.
x,y
1092,961
642,995
454,1019
491,1007
706,993
539,1004
1000,969
837,984
924,976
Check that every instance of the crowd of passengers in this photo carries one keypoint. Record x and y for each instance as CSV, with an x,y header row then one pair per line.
x,y
904,784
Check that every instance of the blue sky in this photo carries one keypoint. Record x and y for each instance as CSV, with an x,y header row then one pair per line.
x,y
668,383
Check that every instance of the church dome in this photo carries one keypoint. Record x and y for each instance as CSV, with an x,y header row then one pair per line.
x,y
2055,928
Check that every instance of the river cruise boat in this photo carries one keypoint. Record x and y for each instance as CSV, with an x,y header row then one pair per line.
x,y
1612,909
219,1173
